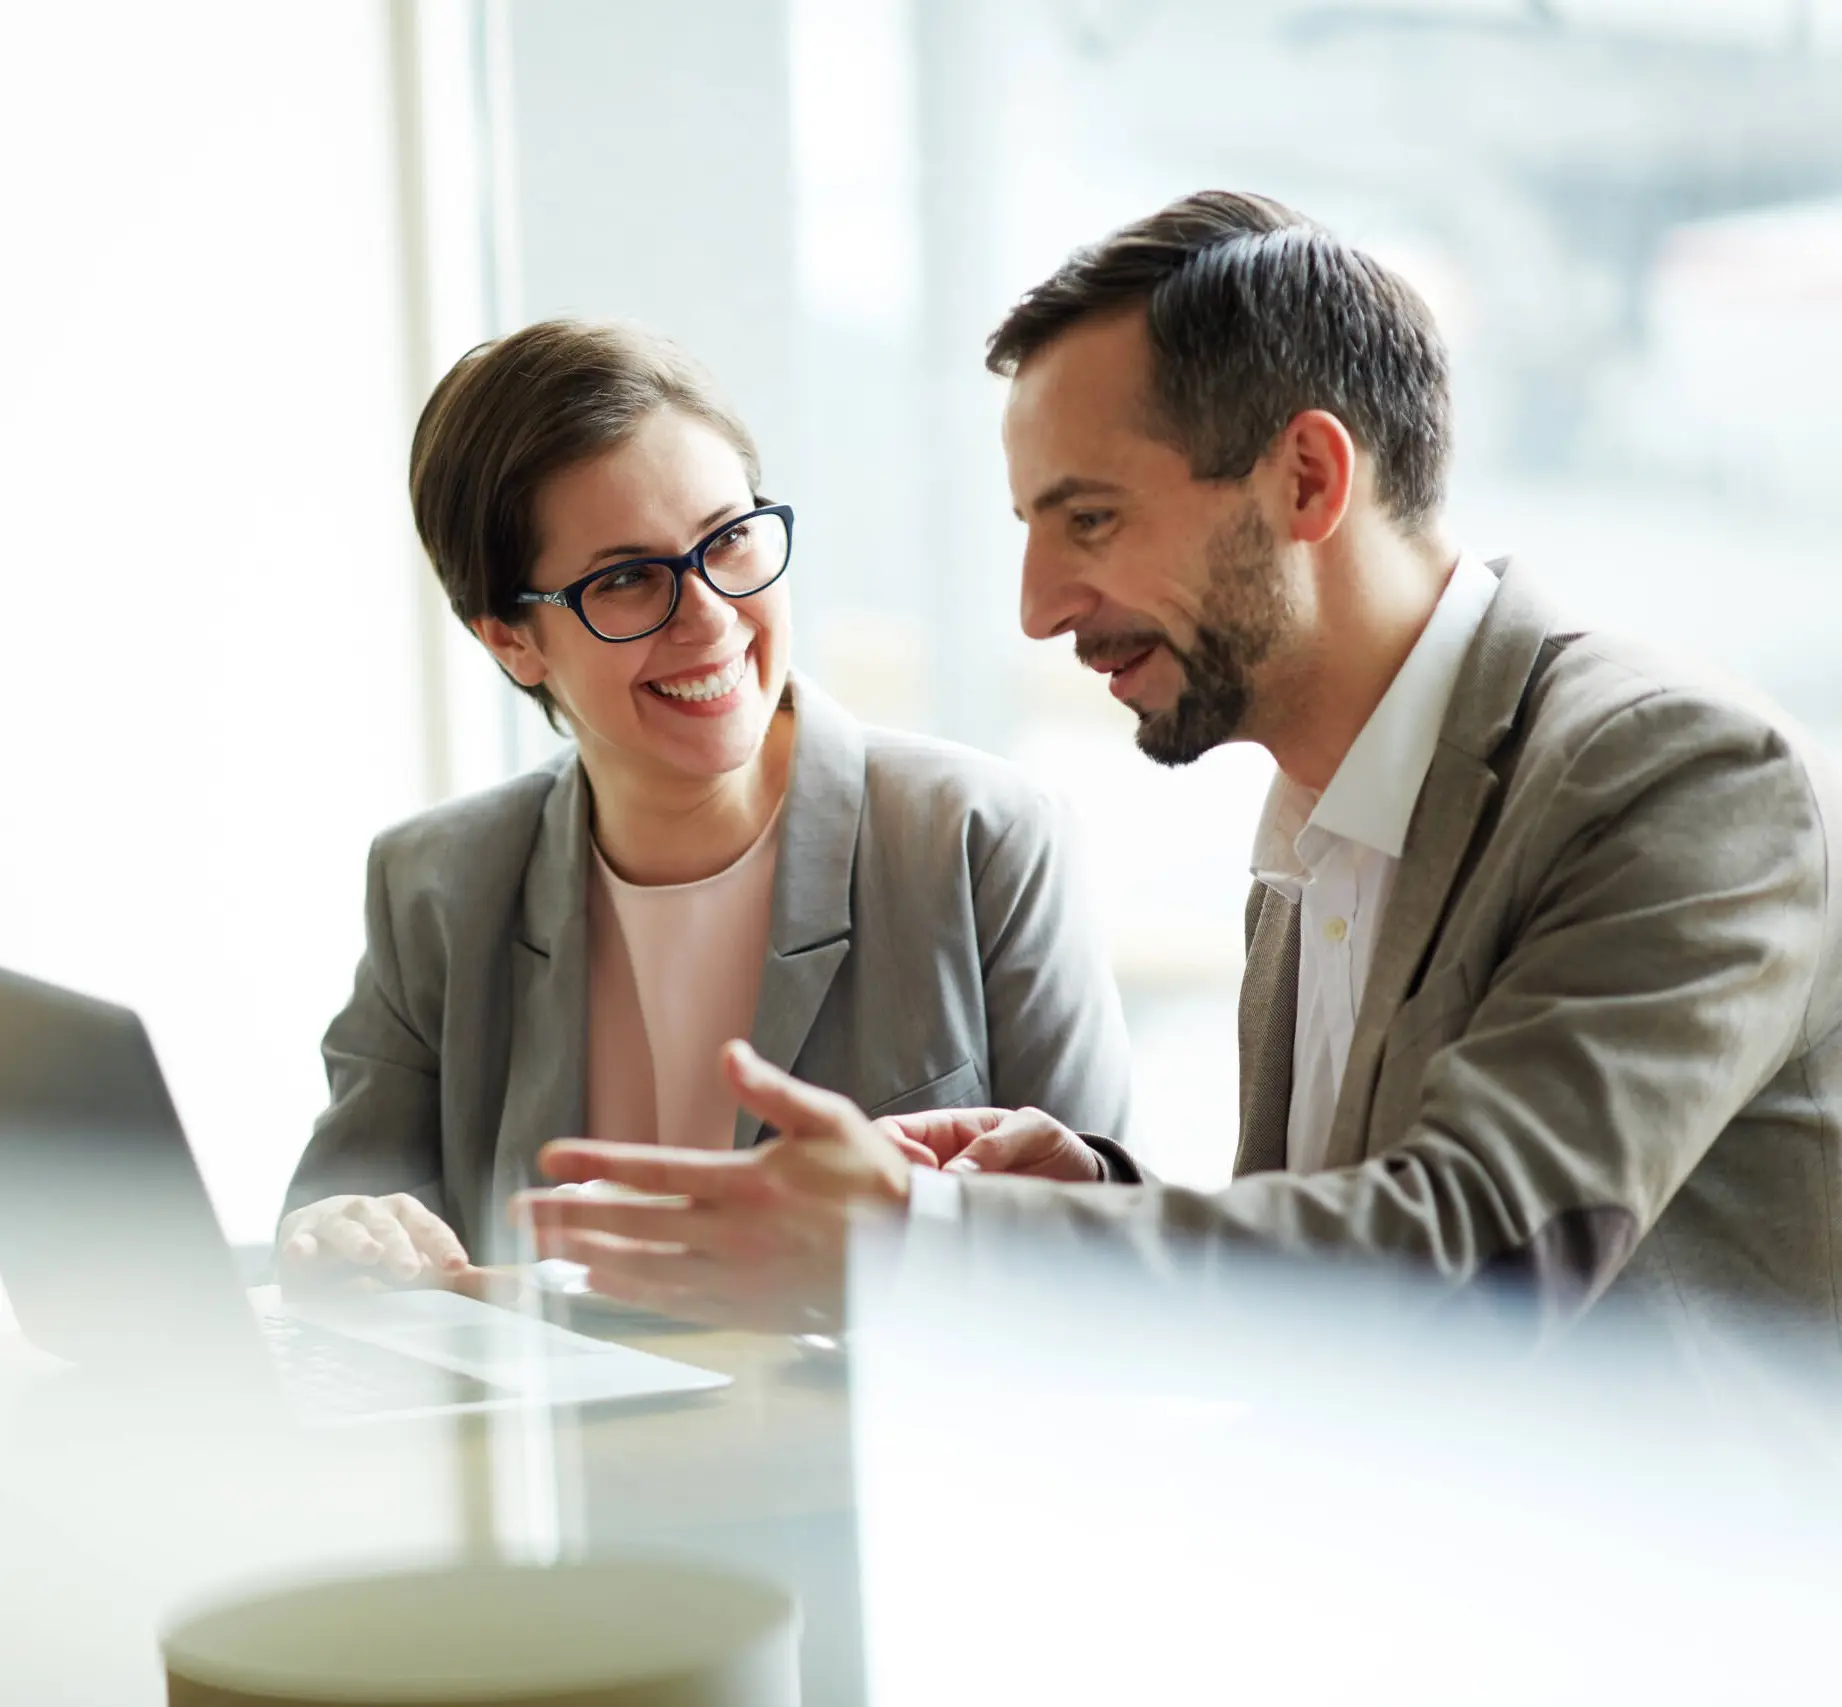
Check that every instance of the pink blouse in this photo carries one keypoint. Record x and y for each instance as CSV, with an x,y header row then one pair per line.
x,y
673,970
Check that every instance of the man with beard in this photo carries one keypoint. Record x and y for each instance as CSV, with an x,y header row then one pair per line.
x,y
1544,974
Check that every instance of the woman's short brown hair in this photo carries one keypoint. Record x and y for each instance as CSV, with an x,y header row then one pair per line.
x,y
510,414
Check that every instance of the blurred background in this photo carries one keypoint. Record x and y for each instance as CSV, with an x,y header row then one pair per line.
x,y
243,241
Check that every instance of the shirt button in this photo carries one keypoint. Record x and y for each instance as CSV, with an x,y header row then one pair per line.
x,y
1335,930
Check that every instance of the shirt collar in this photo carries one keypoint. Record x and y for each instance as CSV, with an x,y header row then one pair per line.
x,y
1371,798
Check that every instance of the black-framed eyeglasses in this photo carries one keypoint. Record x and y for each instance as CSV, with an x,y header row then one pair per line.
x,y
630,600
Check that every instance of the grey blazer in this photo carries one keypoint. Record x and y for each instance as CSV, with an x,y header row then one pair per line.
x,y
1601,1042
930,947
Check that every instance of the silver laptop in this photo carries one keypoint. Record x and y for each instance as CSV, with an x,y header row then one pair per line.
x,y
111,1256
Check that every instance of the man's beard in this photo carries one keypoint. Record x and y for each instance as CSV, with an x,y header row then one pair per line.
x,y
1244,613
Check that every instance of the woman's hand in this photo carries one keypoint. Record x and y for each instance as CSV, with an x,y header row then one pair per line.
x,y
389,1241
998,1141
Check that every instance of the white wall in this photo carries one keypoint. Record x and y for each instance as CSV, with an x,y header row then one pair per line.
x,y
209,699
652,148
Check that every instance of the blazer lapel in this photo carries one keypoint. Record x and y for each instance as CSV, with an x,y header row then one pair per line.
x,y
546,1072
1459,786
811,930
1268,1021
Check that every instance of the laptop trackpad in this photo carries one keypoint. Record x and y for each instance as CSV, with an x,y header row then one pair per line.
x,y
520,1353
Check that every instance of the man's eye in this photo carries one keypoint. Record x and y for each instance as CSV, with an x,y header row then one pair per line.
x,y
1088,522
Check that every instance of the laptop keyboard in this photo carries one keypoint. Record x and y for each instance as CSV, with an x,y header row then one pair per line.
x,y
331,1374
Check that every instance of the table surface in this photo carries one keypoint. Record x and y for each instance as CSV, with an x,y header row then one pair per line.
x,y
757,1474
774,1445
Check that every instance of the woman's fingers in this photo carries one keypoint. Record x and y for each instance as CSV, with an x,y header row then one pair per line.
x,y
432,1236
347,1238
397,1253
398,1238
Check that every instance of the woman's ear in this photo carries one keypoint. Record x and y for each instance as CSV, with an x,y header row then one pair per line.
x,y
514,645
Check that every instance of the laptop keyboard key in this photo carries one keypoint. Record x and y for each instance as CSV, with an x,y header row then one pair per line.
x,y
330,1373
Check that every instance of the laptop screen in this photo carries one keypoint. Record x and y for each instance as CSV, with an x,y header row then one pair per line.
x,y
109,1247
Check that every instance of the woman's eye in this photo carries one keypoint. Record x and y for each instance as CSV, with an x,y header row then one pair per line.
x,y
733,540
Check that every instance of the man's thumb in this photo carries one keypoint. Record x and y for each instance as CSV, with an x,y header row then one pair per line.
x,y
990,1152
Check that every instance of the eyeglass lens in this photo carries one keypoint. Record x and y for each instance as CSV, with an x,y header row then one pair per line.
x,y
633,597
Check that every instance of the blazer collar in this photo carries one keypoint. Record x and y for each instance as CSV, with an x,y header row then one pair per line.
x,y
818,837
1370,799
810,934
1486,701
556,877
547,996
1487,697
1268,1022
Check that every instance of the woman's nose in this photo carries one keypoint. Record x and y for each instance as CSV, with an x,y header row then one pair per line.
x,y
701,614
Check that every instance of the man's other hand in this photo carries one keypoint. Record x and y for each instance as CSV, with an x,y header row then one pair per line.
x,y
999,1141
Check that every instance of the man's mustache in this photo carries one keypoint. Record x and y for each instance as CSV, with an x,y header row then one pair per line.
x,y
1108,651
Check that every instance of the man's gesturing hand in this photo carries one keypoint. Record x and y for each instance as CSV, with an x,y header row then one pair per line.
x,y
744,1238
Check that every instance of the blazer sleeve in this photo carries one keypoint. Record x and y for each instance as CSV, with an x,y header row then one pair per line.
x,y
381,1131
1056,1034
1660,979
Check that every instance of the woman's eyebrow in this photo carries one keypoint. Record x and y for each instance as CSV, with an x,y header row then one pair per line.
x,y
703,528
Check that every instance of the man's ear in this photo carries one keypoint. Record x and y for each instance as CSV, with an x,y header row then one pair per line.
x,y
515,647
1318,462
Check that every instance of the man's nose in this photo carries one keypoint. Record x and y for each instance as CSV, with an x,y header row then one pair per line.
x,y
1053,597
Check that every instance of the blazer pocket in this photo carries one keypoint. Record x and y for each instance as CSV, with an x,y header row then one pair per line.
x,y
963,1086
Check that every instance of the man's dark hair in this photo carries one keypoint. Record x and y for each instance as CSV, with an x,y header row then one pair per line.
x,y
1255,314
509,415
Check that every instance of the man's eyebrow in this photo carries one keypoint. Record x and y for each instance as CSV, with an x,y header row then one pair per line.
x,y
618,552
1072,486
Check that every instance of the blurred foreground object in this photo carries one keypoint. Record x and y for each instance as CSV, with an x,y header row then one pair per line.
x,y
1337,1487
631,1632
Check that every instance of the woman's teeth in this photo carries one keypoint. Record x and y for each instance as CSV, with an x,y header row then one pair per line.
x,y
712,686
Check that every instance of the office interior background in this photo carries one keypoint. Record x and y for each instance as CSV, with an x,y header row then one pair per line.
x,y
245,240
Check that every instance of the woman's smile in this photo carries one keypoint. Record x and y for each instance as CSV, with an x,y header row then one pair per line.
x,y
706,690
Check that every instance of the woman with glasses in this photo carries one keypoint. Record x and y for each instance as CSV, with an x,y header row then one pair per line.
x,y
721,852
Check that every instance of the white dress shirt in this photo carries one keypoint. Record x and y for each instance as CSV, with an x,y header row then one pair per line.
x,y
1335,854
